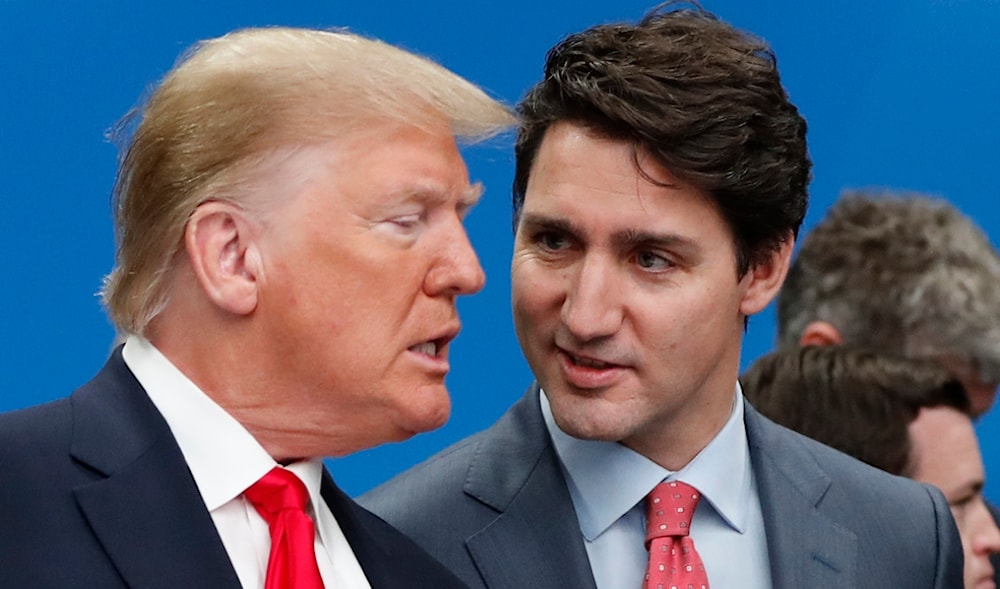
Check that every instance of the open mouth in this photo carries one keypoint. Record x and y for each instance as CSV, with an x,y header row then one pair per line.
x,y
589,373
589,362
436,347
431,348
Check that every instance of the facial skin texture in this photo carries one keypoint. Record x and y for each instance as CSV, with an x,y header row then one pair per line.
x,y
626,299
944,453
354,264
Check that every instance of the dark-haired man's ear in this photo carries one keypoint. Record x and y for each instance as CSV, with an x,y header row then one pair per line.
x,y
222,250
820,333
765,279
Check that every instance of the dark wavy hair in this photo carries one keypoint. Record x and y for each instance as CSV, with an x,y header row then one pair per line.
x,y
857,401
700,97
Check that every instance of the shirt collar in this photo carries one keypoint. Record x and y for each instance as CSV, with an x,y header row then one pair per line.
x,y
607,479
311,473
224,458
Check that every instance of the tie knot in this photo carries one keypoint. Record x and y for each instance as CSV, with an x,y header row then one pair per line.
x,y
277,491
669,508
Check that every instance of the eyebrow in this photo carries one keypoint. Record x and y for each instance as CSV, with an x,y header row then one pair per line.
x,y
468,197
471,195
970,490
977,487
626,239
629,239
552,223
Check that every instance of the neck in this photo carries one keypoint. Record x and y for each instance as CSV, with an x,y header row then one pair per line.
x,y
674,443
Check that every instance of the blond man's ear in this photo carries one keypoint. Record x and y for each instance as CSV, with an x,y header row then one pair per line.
x,y
222,248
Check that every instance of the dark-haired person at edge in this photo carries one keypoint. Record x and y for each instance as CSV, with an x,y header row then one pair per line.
x,y
903,273
909,417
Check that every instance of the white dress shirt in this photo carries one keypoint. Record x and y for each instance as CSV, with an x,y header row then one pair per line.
x,y
225,460
608,483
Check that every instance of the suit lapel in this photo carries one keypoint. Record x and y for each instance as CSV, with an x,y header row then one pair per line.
x,y
389,559
368,549
806,548
520,477
145,508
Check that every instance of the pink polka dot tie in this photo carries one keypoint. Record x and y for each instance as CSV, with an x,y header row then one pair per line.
x,y
673,561
281,498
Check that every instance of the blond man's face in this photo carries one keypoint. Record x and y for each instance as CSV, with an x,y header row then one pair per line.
x,y
363,265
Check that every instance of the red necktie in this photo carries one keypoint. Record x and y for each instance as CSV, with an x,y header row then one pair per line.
x,y
281,498
673,561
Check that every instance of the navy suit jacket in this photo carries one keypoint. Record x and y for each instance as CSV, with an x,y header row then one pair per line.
x,y
95,493
495,506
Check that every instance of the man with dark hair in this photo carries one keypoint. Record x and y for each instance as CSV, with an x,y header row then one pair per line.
x,y
905,274
661,179
907,417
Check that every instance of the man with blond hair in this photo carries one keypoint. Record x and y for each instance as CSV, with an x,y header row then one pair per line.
x,y
290,248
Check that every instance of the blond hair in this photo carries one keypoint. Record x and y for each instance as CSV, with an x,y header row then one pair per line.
x,y
231,100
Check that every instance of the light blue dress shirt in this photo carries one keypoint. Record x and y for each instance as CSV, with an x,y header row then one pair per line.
x,y
608,483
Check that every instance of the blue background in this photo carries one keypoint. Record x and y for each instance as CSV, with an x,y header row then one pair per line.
x,y
900,93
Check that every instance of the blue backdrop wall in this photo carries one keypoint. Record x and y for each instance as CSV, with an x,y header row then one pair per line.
x,y
899,93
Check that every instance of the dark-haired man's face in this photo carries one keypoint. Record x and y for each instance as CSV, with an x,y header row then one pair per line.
x,y
944,453
626,298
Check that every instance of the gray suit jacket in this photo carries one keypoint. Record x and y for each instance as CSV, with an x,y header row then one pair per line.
x,y
495,506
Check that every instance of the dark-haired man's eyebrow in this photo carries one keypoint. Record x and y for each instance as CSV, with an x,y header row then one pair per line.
x,y
685,247
535,221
